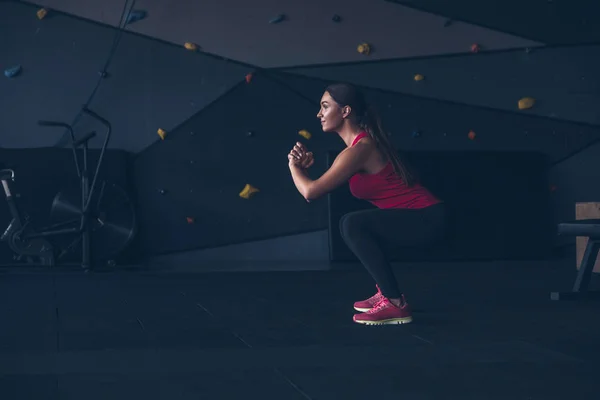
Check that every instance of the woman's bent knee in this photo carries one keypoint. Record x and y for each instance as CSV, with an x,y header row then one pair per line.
x,y
350,224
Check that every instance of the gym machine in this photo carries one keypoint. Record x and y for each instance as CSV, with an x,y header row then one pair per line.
x,y
98,216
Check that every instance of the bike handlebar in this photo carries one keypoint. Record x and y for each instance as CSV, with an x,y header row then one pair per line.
x,y
58,124
85,110
53,123
76,143
99,118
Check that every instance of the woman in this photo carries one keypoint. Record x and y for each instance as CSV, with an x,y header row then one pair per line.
x,y
407,214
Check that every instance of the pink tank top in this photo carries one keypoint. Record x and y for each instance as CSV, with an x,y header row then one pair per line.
x,y
385,189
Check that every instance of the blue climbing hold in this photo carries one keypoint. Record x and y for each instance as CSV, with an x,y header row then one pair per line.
x,y
416,134
277,19
12,71
136,15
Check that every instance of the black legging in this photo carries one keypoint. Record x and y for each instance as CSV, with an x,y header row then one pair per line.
x,y
368,232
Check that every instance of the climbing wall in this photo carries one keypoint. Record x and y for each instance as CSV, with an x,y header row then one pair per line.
x,y
212,134
222,176
272,33
573,148
563,81
54,65
191,183
426,124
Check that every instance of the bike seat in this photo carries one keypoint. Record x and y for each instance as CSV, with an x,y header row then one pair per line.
x,y
7,174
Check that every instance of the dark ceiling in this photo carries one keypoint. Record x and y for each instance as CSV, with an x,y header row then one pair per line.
x,y
553,22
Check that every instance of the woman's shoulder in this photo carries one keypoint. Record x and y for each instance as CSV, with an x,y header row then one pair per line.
x,y
366,140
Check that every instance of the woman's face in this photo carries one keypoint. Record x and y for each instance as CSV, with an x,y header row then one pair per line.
x,y
331,114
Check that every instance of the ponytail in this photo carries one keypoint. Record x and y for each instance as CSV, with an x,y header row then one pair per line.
x,y
371,123
368,119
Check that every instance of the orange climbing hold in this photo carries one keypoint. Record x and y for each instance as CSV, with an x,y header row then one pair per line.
x,y
305,134
248,191
526,102
419,77
162,133
42,12
472,135
249,77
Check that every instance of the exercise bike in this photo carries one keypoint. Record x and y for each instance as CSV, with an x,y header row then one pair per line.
x,y
103,221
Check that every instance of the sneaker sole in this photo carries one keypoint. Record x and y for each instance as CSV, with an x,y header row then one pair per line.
x,y
361,309
394,321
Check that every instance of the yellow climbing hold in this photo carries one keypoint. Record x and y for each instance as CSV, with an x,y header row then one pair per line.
x,y
248,191
191,46
305,134
419,77
364,48
161,133
42,13
526,102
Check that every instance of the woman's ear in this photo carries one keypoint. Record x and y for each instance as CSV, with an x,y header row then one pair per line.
x,y
346,111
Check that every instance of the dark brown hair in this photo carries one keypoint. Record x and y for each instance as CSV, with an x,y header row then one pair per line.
x,y
368,119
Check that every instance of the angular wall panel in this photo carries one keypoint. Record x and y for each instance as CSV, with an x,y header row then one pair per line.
x,y
201,167
205,163
444,126
150,84
60,59
564,80
553,22
309,36
155,85
307,251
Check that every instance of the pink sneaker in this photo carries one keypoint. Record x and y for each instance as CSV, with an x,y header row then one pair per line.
x,y
385,313
366,305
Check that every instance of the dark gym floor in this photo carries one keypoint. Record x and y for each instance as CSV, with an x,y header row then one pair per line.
x,y
481,331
